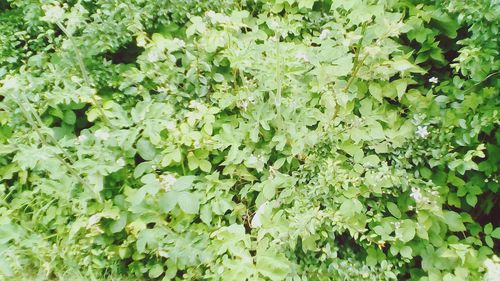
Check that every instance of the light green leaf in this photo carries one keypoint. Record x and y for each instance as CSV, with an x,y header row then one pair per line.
x,y
145,149
454,221
188,202
394,210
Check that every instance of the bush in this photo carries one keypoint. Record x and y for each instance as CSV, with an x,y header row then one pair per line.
x,y
259,140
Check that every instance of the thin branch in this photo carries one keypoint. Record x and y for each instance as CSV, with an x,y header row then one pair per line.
x,y
37,126
85,74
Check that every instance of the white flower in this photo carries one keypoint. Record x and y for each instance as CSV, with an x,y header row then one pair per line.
x,y
301,56
167,181
210,14
244,104
194,104
120,162
324,34
422,131
180,43
53,13
153,55
397,225
101,134
170,125
492,266
416,195
81,138
433,80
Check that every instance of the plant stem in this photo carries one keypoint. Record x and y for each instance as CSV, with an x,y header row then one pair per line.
x,y
85,74
37,126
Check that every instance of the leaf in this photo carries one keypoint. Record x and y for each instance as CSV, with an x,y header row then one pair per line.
x,y
205,165
471,199
350,207
488,228
188,202
489,241
394,210
406,252
167,201
454,221
155,271
183,183
496,233
145,149
273,267
119,225
308,4
5,268
406,231
376,91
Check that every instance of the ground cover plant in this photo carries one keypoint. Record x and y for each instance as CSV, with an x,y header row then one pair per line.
x,y
249,140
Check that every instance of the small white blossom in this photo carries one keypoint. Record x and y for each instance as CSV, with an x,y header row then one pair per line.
x,y
180,43
194,104
81,138
422,131
101,134
324,34
167,181
120,162
244,104
416,194
210,14
433,80
301,56
397,225
53,13
153,56
170,125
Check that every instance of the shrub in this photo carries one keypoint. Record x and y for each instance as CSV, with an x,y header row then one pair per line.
x,y
235,140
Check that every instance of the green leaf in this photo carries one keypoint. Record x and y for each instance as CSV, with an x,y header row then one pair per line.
x,y
488,228
273,267
155,271
489,241
406,231
454,221
496,233
119,225
183,183
394,210
167,201
308,4
471,199
205,165
145,149
188,202
406,252
376,91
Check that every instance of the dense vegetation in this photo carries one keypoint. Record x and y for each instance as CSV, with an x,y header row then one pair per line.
x,y
249,140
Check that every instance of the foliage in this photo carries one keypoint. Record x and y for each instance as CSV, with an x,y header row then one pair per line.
x,y
259,140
